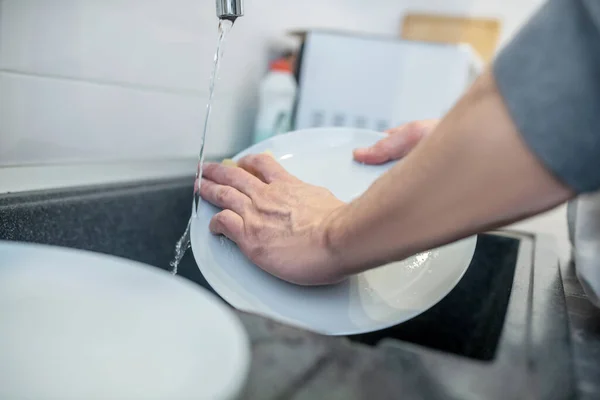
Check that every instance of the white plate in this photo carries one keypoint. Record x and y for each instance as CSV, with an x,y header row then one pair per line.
x,y
79,325
371,301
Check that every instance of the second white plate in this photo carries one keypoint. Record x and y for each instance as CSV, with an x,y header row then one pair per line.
x,y
368,302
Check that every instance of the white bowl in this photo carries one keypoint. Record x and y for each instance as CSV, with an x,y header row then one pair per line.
x,y
79,325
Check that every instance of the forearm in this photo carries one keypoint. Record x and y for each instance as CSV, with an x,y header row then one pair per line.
x,y
471,174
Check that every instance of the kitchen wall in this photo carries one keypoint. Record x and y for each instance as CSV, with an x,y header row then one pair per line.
x,y
127,79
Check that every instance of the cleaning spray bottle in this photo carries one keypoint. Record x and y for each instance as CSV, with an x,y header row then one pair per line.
x,y
276,101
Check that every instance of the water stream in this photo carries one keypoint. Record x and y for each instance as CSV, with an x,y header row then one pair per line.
x,y
184,242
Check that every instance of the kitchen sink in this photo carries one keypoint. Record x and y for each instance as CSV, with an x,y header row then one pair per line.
x,y
469,320
143,221
504,322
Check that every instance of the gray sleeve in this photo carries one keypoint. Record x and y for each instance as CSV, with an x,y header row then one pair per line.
x,y
549,78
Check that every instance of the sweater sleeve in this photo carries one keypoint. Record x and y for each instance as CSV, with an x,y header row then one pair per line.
x,y
549,78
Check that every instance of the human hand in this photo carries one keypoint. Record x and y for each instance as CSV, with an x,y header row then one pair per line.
x,y
399,143
277,221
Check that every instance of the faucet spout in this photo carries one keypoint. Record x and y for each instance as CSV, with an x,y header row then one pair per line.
x,y
230,9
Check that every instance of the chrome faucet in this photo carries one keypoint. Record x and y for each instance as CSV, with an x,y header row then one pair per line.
x,y
230,9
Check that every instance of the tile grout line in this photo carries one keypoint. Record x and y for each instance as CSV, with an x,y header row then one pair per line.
x,y
102,82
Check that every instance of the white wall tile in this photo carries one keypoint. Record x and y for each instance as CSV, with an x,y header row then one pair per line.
x,y
166,47
170,43
138,42
52,120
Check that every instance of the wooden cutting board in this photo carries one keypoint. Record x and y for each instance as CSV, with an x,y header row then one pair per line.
x,y
481,33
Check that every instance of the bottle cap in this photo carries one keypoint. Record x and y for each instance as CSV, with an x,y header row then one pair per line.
x,y
281,65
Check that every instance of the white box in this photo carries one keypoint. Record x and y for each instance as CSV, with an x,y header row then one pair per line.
x,y
378,83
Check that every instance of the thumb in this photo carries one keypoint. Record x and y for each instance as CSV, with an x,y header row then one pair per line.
x,y
393,147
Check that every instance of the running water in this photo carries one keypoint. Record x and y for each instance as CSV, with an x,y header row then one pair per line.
x,y
184,242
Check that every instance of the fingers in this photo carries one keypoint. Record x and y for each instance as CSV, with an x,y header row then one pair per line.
x,y
265,167
397,145
225,197
229,224
230,176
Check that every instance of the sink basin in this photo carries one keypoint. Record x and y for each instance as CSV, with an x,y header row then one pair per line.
x,y
496,326
140,221
143,221
469,320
